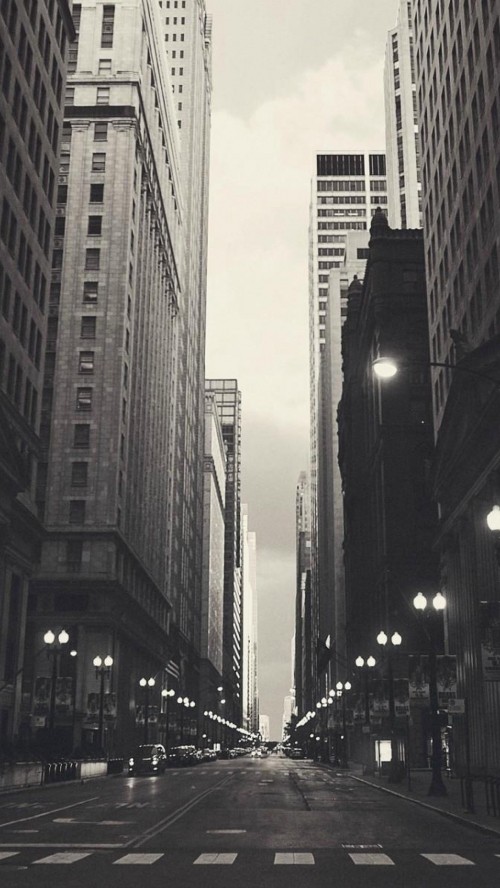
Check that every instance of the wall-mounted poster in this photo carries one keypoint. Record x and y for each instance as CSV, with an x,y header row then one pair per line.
x,y
490,639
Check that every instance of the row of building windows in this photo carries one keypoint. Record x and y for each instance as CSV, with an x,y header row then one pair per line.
x,y
342,226
16,314
15,383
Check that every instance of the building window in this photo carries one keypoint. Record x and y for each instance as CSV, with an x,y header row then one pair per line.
x,y
81,435
90,292
104,66
92,259
74,555
108,24
62,194
94,225
79,474
88,327
98,162
69,97
100,132
102,97
59,226
77,511
84,399
86,362
96,192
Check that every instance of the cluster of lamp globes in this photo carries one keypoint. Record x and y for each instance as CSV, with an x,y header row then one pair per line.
x,y
62,638
219,718
387,368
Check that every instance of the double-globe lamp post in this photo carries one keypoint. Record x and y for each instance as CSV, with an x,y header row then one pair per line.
x,y
166,694
102,671
437,787
146,683
365,666
395,771
342,688
54,646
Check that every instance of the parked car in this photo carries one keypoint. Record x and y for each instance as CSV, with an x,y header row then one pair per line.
x,y
296,753
148,759
208,755
182,756
256,754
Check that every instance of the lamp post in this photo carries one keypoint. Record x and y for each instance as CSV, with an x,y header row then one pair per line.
x,y
364,667
437,787
102,671
166,694
146,683
54,647
395,771
342,688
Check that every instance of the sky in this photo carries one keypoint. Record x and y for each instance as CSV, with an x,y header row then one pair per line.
x,y
289,79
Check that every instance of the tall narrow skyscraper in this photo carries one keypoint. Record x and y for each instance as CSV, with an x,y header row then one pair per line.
x,y
404,199
228,399
187,41
345,190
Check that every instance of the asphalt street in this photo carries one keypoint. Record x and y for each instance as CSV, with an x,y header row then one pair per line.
x,y
270,822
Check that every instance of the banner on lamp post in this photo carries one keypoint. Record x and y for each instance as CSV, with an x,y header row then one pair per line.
x,y
418,674
446,679
489,612
401,697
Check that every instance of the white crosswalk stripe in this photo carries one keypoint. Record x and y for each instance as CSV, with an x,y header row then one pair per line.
x,y
216,858
142,859
285,857
372,859
448,860
64,857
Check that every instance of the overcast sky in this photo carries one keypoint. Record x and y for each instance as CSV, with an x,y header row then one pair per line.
x,y
290,78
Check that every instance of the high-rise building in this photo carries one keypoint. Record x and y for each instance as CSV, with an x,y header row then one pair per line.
x,y
304,663
187,41
404,199
212,599
346,189
107,413
250,702
457,56
33,46
228,398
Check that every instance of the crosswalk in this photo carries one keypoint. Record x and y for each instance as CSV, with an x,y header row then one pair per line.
x,y
211,858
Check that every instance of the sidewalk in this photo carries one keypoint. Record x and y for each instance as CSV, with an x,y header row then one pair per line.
x,y
449,806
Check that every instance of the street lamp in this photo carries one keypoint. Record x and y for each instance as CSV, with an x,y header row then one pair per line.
x,y
166,694
146,683
342,688
364,667
102,670
437,787
54,647
395,771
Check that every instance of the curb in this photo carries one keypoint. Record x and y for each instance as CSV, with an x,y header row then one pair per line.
x,y
480,827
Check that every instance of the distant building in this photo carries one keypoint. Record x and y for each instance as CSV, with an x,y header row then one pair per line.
x,y
288,706
303,658
32,76
404,198
212,596
264,728
250,697
228,398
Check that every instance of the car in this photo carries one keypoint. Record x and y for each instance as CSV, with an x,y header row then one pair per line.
x,y
296,753
256,754
208,755
150,758
182,756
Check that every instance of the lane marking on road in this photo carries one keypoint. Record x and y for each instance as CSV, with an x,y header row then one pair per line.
x,y
5,854
23,831
76,822
293,858
216,858
63,857
176,815
448,860
141,859
48,813
360,847
372,859
226,831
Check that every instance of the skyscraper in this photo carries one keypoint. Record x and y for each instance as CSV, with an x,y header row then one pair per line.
x,y
33,46
250,701
404,200
458,82
346,189
228,398
109,377
187,41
